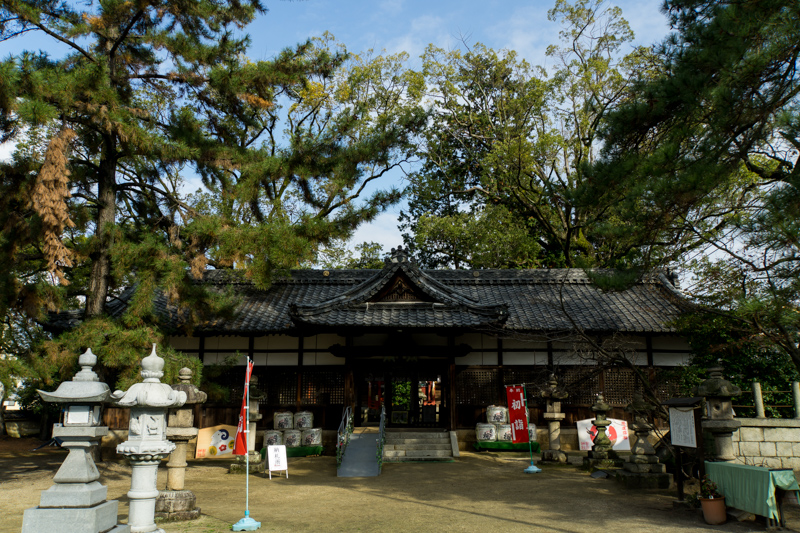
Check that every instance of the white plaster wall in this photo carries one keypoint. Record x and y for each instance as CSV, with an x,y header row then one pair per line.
x,y
323,341
525,358
671,359
219,344
429,339
477,358
517,344
322,358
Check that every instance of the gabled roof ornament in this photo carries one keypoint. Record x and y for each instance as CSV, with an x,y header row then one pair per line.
x,y
398,255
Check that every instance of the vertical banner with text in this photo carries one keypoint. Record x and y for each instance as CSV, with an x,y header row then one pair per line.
x,y
240,442
517,413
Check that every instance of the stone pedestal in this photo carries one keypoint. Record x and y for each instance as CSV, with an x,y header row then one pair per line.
x,y
176,503
554,416
77,503
719,419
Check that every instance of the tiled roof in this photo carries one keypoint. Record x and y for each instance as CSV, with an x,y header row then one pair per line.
x,y
542,300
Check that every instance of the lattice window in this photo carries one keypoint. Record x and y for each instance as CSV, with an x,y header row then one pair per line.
x,y
478,387
620,386
322,387
278,386
668,383
582,383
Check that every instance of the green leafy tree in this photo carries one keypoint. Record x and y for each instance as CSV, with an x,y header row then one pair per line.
x,y
92,206
507,134
706,155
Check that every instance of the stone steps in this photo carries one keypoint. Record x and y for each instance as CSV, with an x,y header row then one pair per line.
x,y
414,446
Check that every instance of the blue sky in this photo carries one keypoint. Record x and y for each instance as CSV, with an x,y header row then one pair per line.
x,y
410,25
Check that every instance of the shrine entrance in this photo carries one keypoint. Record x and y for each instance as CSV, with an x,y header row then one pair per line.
x,y
413,392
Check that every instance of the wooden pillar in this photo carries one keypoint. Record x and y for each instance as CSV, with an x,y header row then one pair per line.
x,y
299,400
451,385
651,371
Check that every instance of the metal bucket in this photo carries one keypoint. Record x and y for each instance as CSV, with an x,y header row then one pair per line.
x,y
303,420
486,432
283,420
312,437
497,414
292,438
273,438
504,432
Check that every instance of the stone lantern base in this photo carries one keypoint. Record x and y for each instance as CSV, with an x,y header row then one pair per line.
x,y
554,456
67,518
256,464
639,480
174,505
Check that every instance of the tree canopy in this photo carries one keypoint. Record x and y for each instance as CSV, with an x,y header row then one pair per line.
x,y
148,96
510,142
706,154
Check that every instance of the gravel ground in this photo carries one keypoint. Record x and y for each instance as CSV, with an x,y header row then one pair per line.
x,y
478,492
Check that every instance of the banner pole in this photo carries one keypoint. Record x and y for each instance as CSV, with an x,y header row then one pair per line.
x,y
533,469
247,523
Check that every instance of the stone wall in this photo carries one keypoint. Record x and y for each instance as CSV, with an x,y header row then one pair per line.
x,y
770,442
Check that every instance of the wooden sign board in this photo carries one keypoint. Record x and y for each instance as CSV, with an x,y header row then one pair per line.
x,y
276,460
682,427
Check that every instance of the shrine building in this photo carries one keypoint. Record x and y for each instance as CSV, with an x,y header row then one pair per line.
x,y
436,347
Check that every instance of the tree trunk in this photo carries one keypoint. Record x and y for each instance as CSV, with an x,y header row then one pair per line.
x,y
106,212
2,410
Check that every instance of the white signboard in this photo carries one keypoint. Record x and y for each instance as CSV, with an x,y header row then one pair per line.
x,y
276,459
682,428
617,433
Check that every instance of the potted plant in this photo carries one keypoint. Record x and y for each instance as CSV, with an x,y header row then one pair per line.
x,y
712,502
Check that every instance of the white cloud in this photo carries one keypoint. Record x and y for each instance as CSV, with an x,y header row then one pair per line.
x,y
382,230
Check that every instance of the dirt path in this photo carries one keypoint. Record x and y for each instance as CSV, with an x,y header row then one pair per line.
x,y
479,492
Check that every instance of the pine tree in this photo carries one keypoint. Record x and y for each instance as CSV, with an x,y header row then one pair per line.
x,y
147,94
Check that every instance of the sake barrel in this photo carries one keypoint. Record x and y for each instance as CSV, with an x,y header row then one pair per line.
x,y
303,420
292,438
497,414
273,438
283,420
486,432
504,432
312,437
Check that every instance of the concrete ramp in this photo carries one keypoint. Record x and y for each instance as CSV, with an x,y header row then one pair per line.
x,y
360,457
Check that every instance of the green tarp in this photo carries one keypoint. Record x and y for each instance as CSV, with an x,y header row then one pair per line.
x,y
751,488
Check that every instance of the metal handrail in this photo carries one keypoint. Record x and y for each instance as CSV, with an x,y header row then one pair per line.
x,y
343,434
381,438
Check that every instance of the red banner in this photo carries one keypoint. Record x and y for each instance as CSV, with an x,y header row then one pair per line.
x,y
240,442
517,413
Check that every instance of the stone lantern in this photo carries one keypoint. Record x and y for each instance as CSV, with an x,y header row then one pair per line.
x,y
602,454
642,470
77,502
175,503
719,419
553,398
147,442
255,460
